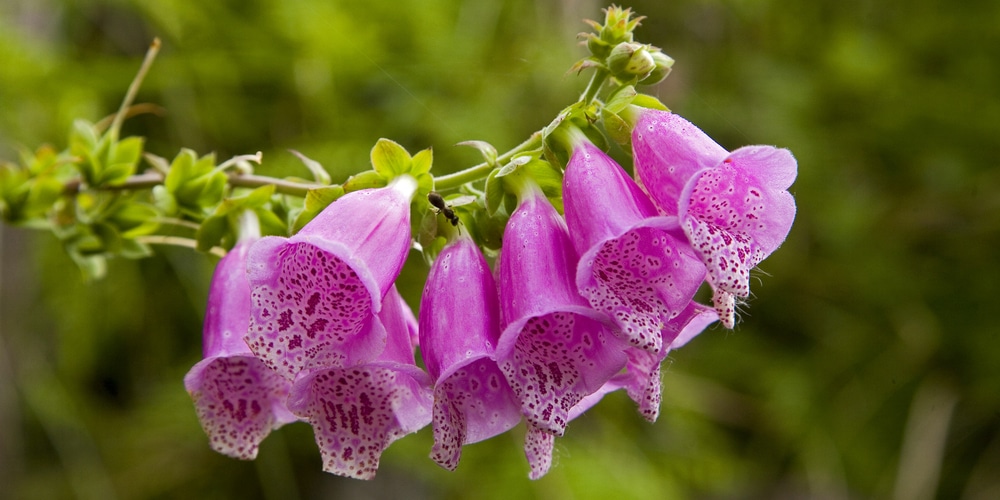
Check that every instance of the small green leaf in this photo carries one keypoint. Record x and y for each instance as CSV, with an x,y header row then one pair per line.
x,y
494,192
421,163
132,249
513,165
210,232
621,99
319,173
365,180
181,170
486,149
648,101
548,178
256,198
390,159
617,128
270,223
316,200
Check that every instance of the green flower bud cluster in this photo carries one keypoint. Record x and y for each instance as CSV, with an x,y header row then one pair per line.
x,y
612,47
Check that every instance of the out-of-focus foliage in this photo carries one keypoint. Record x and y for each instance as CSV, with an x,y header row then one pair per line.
x,y
869,365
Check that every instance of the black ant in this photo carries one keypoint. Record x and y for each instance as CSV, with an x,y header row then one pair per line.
x,y
442,208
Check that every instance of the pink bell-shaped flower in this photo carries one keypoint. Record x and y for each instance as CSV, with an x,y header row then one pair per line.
x,y
315,295
238,399
357,411
635,265
459,331
555,349
735,207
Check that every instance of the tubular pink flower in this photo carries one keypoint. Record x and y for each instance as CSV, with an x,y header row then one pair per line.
x,y
555,349
459,331
357,411
315,295
238,399
635,266
735,208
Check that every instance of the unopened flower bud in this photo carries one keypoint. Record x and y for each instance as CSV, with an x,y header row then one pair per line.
x,y
630,60
664,64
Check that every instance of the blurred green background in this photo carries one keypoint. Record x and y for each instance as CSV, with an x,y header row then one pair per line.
x,y
866,366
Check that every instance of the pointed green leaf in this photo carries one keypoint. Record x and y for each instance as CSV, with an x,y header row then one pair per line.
x,y
180,170
621,99
494,192
316,200
210,232
421,163
390,159
617,128
365,180
486,149
648,101
319,173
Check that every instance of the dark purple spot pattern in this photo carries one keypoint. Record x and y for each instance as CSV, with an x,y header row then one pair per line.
x,y
234,398
311,314
643,280
538,446
474,403
724,212
547,366
354,414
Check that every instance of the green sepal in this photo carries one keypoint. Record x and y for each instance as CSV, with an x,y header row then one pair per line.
x,y
620,99
132,249
315,201
390,159
195,183
486,149
123,158
135,219
270,223
365,180
83,139
318,172
421,162
217,226
648,101
617,128
494,192
210,232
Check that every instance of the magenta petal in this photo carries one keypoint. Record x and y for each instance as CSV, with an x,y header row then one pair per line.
x,y
357,412
459,329
668,151
237,398
600,200
736,214
642,279
554,350
315,294
238,401
538,445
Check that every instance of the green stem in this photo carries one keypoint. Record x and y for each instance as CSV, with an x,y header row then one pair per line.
x,y
149,180
282,186
133,89
480,171
596,82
